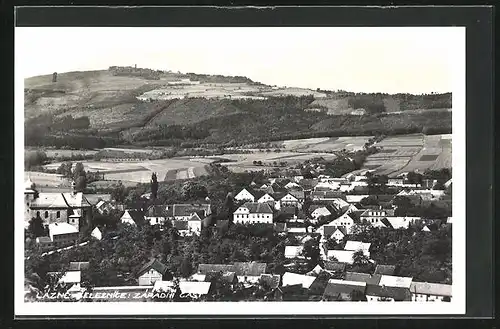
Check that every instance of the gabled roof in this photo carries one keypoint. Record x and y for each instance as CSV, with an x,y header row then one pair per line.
x,y
155,265
184,209
308,182
197,288
395,281
298,194
49,200
293,251
249,268
385,269
61,228
362,277
273,280
156,211
197,216
435,289
76,200
334,266
386,222
226,276
387,212
258,208
357,245
136,215
397,293
290,279
336,287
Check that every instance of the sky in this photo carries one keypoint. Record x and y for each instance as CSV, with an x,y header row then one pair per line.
x,y
359,59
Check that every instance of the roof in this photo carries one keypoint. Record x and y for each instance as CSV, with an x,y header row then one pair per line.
x,y
293,251
77,266
49,200
226,276
308,183
395,281
387,212
206,268
273,280
136,215
436,289
153,264
290,279
386,222
297,230
336,287
249,268
385,269
188,209
164,286
357,245
156,211
43,239
76,200
194,287
71,277
61,228
363,277
298,194
397,293
280,227
344,256
258,208
334,266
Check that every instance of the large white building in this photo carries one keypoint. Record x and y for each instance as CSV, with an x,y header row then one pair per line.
x,y
253,212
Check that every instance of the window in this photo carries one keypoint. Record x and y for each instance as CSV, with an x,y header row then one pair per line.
x,y
58,214
72,220
46,214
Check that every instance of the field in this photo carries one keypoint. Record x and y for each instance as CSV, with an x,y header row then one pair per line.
x,y
326,144
46,180
411,153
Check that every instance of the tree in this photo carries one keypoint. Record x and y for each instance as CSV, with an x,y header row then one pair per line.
x,y
186,268
359,258
65,169
192,190
402,201
414,178
357,296
154,186
35,227
311,252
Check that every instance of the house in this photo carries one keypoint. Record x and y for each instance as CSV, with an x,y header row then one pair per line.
x,y
44,242
96,233
397,181
292,185
207,268
194,289
246,195
104,207
291,279
78,266
355,198
373,216
308,184
63,234
73,279
339,233
363,277
132,217
385,269
293,251
253,212
327,196
185,211
343,290
151,272
156,215
298,231
181,226
395,281
269,199
56,207
358,245
228,277
378,293
343,256
249,271
426,292
426,229
299,195
195,222
344,220
317,211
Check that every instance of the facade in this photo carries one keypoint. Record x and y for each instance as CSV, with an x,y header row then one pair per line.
x,y
345,220
132,217
253,212
343,290
62,234
290,200
320,211
151,272
430,292
245,195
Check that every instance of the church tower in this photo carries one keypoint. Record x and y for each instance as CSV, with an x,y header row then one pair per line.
x,y
30,194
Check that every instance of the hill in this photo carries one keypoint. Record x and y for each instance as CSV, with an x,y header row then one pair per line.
x,y
128,105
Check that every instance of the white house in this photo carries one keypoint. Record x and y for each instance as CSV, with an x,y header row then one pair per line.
x,y
358,245
62,234
151,272
96,233
321,211
289,200
344,220
343,256
268,198
339,234
253,212
245,195
291,279
194,224
293,251
427,292
291,185
132,217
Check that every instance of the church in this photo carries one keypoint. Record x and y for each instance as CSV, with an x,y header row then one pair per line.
x,y
72,208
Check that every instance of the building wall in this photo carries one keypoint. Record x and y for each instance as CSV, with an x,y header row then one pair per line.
x,y
50,216
244,195
320,212
195,226
155,220
378,299
252,218
60,240
150,277
426,298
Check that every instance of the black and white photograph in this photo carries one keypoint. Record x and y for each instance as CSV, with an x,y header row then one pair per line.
x,y
303,170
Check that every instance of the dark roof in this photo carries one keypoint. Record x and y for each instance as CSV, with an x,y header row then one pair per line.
x,y
249,268
333,289
308,183
363,277
333,266
398,293
278,195
273,280
180,225
137,215
385,197
298,194
385,269
221,223
226,276
77,266
386,222
258,208
188,209
289,210
207,268
153,264
156,211
329,230
257,193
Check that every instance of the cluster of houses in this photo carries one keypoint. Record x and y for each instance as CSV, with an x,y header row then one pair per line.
x,y
340,285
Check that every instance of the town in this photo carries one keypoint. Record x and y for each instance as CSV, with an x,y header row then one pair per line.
x,y
253,236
